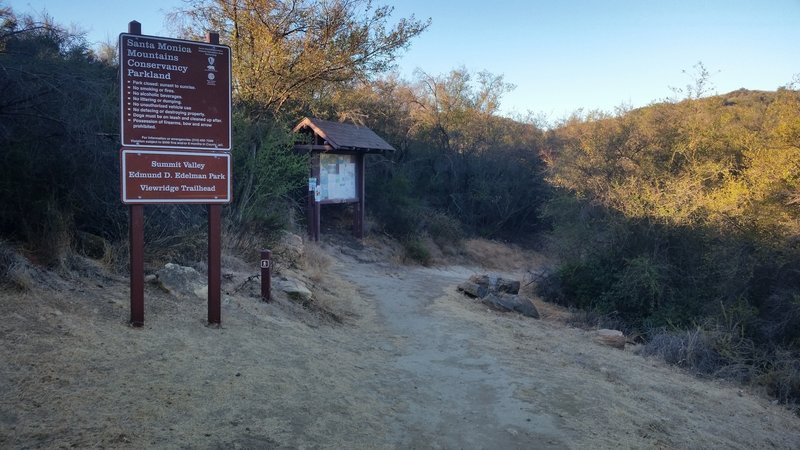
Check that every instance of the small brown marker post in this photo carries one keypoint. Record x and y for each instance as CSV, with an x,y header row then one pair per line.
x,y
266,275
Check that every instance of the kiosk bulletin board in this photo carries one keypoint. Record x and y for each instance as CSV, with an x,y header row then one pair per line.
x,y
337,178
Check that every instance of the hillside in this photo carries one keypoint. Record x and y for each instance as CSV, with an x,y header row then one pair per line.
x,y
677,223
386,356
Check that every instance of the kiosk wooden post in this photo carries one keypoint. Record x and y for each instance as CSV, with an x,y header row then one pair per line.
x,y
315,204
358,207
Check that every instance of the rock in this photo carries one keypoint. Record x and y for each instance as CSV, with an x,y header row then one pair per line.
x,y
481,285
201,291
612,338
495,283
295,290
290,249
182,281
509,302
499,293
507,286
482,280
292,240
473,289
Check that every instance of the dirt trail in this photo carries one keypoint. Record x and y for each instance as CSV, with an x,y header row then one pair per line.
x,y
448,393
467,377
419,366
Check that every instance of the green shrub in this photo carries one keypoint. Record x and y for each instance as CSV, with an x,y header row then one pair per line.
x,y
576,284
691,349
416,250
8,258
781,377
60,170
269,178
713,349
639,289
780,321
442,228
392,203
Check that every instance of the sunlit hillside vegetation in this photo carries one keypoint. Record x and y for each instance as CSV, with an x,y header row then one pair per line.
x,y
686,216
691,201
678,222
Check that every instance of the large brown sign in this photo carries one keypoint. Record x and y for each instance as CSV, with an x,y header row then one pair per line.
x,y
175,94
151,176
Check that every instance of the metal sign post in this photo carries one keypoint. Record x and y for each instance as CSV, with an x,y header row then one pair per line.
x,y
175,120
215,234
136,231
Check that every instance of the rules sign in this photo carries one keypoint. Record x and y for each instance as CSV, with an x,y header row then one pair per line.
x,y
175,94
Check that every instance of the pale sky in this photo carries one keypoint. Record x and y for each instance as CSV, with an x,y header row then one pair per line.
x,y
561,54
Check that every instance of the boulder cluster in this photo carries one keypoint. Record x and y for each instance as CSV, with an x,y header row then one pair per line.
x,y
498,293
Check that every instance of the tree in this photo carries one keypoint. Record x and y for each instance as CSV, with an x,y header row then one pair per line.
x,y
286,50
286,55
456,157
458,112
58,170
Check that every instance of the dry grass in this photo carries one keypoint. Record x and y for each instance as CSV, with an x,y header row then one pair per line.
x,y
712,350
337,298
501,256
316,262
550,311
289,357
690,349
384,248
15,271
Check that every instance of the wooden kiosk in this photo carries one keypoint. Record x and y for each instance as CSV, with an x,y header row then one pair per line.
x,y
336,174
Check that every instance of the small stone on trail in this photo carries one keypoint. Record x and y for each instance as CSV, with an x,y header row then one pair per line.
x,y
482,285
